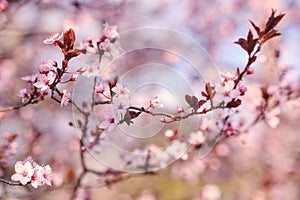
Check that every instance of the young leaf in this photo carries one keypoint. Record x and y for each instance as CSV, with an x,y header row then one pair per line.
x,y
234,103
257,29
192,101
69,39
273,21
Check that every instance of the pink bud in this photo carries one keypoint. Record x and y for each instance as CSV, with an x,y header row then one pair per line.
x,y
179,109
163,120
250,71
74,77
83,148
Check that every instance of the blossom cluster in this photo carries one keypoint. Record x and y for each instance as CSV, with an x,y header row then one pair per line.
x,y
28,171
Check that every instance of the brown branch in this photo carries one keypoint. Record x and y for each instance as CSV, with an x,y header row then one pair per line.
x,y
10,182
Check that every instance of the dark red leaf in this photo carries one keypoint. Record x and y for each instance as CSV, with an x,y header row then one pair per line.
x,y
264,93
69,40
234,103
201,102
204,94
243,43
257,29
11,137
273,21
134,114
251,42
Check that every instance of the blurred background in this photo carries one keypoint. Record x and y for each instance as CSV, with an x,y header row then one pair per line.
x,y
263,164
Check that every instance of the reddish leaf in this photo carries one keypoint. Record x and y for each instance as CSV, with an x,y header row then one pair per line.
x,y
264,93
257,29
270,35
234,103
192,101
12,137
134,114
251,42
243,43
204,94
273,21
69,40
201,102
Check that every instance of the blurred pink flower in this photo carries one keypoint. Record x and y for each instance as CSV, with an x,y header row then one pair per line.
x,y
109,122
196,138
228,75
47,66
65,98
177,149
29,78
110,32
24,94
3,5
24,172
272,117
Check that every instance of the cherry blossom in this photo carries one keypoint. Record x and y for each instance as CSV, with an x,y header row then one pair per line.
x,y
29,78
53,38
229,91
44,81
120,90
110,32
47,66
99,88
272,117
109,123
120,106
24,94
228,75
155,103
65,98
29,171
24,172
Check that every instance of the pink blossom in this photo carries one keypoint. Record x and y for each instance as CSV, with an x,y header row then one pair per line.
x,y
169,133
120,90
29,78
3,5
120,106
47,66
24,94
29,171
179,109
51,39
65,98
272,117
155,103
24,172
211,192
45,80
228,75
196,138
229,91
46,174
105,45
109,123
177,149
99,88
110,32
